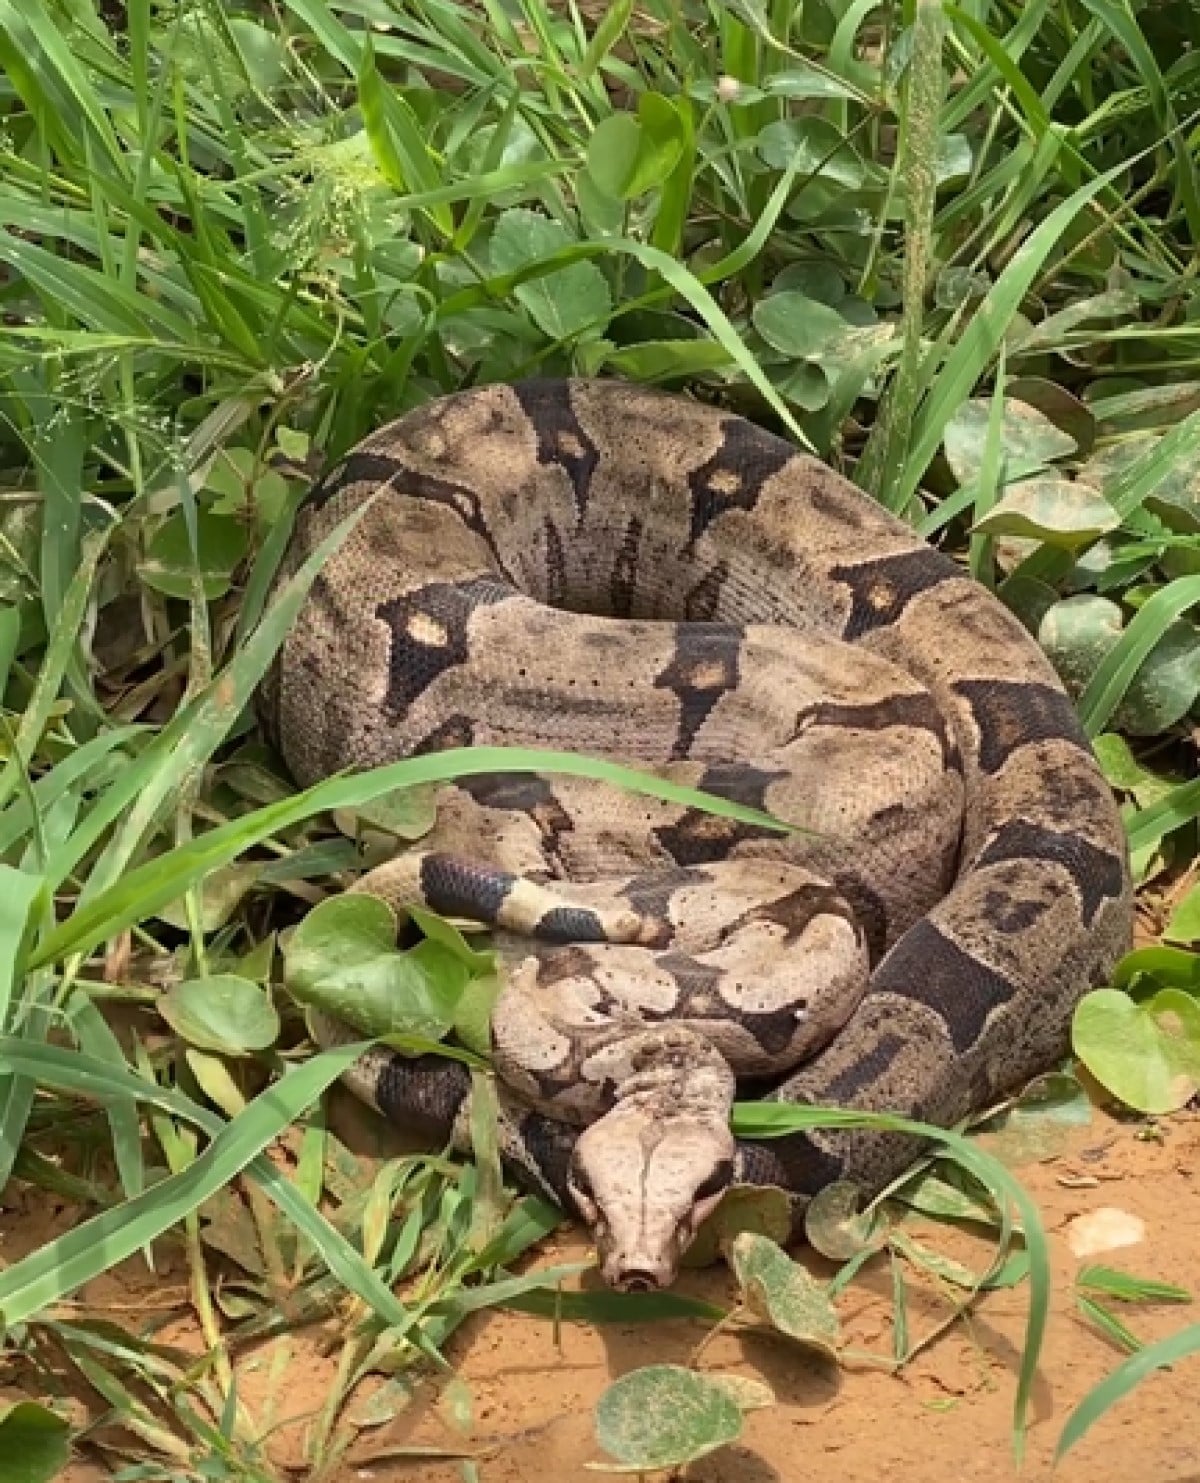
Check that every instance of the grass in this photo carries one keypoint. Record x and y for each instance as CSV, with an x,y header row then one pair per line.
x,y
949,247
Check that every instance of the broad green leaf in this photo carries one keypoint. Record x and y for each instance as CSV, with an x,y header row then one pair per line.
x,y
1028,439
224,1013
783,1294
818,145
612,153
628,156
343,960
835,1226
562,303
664,1416
1061,512
221,543
662,143
1170,966
1040,1124
797,325
1144,633
35,1443
1146,1053
768,1212
1077,633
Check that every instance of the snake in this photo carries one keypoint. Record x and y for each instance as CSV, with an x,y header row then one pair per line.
x,y
918,871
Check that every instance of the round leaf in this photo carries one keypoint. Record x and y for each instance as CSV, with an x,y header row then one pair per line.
x,y
1028,439
343,959
1166,685
664,1416
221,542
1057,511
224,1013
1040,1123
821,146
793,323
1065,410
35,1444
1077,633
834,1225
744,1208
1146,1053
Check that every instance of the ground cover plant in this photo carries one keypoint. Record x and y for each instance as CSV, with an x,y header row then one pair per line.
x,y
951,248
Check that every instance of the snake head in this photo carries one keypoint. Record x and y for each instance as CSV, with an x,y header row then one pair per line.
x,y
648,1174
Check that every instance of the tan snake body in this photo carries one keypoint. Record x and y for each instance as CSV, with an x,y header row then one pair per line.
x,y
593,567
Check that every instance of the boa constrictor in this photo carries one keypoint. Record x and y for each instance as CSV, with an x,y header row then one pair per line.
x,y
588,566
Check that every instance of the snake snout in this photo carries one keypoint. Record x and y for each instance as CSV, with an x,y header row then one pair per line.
x,y
642,1274
637,1282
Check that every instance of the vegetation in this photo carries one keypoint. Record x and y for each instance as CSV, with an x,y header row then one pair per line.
x,y
952,248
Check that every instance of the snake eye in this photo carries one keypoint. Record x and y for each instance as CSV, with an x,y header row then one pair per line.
x,y
717,1182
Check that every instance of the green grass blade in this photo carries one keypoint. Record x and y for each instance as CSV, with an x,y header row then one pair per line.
x,y
61,1266
1126,1377
57,659
21,896
143,891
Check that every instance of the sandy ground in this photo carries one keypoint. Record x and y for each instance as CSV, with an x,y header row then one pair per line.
x,y
947,1416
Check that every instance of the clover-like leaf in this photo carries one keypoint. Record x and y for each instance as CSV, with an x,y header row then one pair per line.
x,y
796,325
822,147
834,1224
1028,439
561,303
221,542
1039,1125
224,1013
342,959
664,1416
1145,1052
765,1211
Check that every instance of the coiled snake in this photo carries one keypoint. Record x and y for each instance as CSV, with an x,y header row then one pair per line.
x,y
588,566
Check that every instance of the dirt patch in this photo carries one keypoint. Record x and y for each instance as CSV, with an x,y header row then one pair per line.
x,y
947,1416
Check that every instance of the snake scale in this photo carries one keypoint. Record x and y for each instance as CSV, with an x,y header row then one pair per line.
x,y
589,566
